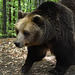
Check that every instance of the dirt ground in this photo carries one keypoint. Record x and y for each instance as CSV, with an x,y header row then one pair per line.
x,y
12,59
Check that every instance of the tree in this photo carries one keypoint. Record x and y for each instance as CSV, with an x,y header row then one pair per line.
x,y
19,5
4,17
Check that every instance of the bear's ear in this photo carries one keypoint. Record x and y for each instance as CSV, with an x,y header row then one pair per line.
x,y
21,14
38,19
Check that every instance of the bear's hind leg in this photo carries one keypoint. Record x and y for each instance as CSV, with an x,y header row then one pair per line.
x,y
59,69
64,61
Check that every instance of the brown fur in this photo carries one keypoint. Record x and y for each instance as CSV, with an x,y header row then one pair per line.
x,y
51,26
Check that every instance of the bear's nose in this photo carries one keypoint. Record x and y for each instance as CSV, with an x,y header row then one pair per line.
x,y
17,44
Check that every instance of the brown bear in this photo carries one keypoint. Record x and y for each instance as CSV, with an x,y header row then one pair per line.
x,y
51,26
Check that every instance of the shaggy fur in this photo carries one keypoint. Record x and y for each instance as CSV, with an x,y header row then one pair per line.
x,y
55,23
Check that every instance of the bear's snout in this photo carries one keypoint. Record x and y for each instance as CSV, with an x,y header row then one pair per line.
x,y
17,44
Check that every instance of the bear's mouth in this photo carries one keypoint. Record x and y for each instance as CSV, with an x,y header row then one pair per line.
x,y
28,44
31,44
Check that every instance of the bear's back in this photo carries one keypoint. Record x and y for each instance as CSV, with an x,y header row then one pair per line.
x,y
69,3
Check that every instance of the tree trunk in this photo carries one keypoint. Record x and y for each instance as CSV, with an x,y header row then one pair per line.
x,y
4,17
9,13
19,5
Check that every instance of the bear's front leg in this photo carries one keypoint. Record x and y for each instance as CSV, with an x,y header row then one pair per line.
x,y
28,64
35,53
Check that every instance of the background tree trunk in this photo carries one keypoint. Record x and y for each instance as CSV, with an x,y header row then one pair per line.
x,y
10,13
4,17
19,5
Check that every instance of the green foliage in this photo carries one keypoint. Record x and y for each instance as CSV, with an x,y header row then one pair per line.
x,y
54,0
12,9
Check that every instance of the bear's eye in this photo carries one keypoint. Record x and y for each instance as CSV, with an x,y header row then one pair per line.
x,y
26,33
17,31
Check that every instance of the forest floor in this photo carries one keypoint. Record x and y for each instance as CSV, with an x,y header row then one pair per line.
x,y
12,59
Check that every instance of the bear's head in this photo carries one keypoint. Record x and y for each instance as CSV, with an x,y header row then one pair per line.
x,y
28,29
39,26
